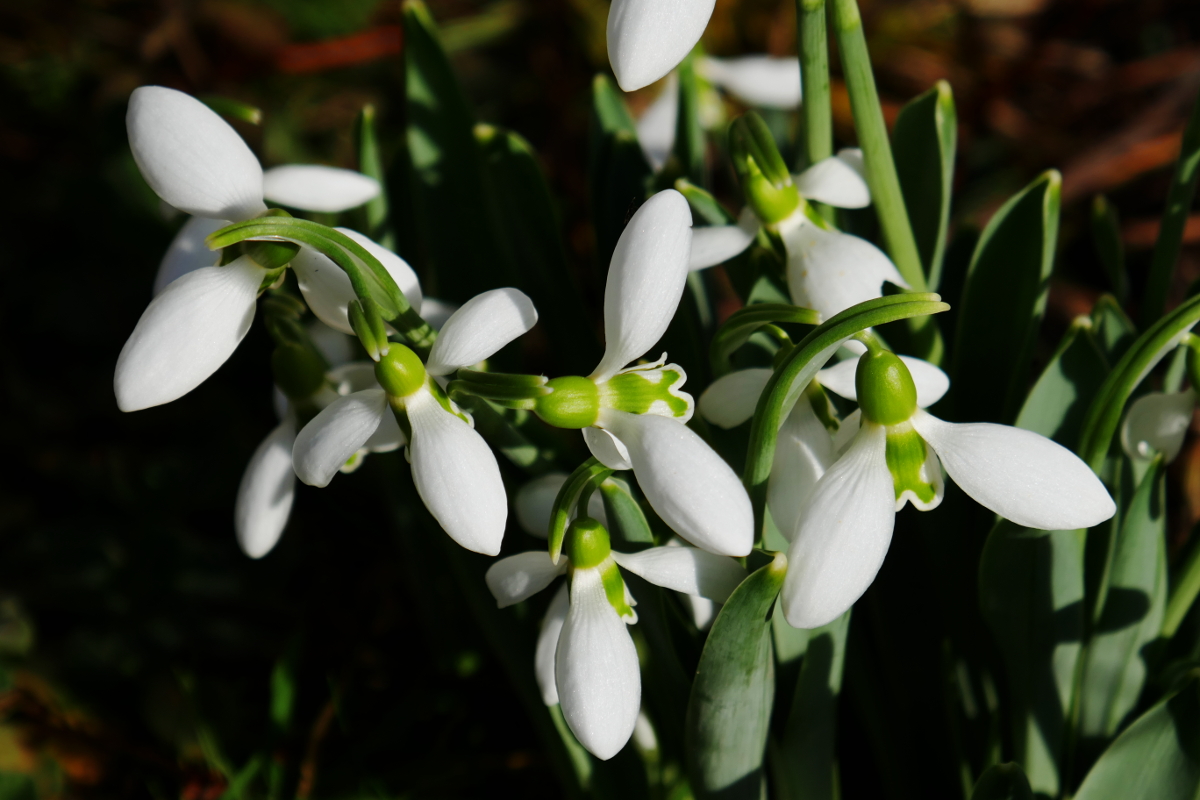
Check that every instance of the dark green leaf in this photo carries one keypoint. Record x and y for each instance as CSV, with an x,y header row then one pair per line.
x,y
1106,236
1155,758
370,162
1002,782
625,516
1002,303
1031,594
1135,595
618,173
1056,404
688,150
1112,328
924,139
730,707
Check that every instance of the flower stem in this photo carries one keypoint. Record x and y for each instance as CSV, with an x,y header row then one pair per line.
x,y
814,75
1170,235
877,150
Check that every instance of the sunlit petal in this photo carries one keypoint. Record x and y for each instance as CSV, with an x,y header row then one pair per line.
x,y
648,38
311,187
483,325
341,429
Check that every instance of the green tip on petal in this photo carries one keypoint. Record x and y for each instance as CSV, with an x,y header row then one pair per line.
x,y
573,402
885,388
400,371
587,543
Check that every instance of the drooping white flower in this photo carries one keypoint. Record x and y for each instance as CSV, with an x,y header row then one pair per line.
x,y
534,504
197,163
1157,423
896,456
454,470
648,38
633,417
585,659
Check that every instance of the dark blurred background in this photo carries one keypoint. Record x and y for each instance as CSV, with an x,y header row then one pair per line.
x,y
138,645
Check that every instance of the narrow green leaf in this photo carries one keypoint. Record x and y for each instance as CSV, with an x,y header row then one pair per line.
x,y
624,513
452,220
1002,782
816,112
1003,301
730,707
924,139
1112,328
703,204
804,768
618,173
736,330
688,150
1115,664
370,162
1170,235
1155,758
1031,594
1056,404
1185,585
1104,414
1106,236
233,109
528,219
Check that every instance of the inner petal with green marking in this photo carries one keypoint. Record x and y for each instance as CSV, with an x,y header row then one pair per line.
x,y
649,389
915,468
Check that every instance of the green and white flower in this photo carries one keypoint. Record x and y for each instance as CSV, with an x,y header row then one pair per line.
x,y
1156,423
585,658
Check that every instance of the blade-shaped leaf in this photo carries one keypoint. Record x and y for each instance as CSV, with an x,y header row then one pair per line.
x,y
1056,404
1031,594
1112,328
924,140
1106,236
1155,758
1002,303
688,150
625,516
730,706
803,763
1115,665
1002,782
618,172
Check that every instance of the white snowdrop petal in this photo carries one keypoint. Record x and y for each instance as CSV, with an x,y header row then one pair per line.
x,y
717,244
1157,423
932,384
312,187
1020,475
704,611
436,312
803,451
596,669
191,157
757,80
830,271
387,437
187,251
534,504
404,276
834,181
645,280
685,569
731,399
847,431
457,476
335,346
547,644
607,449
339,431
519,577
648,38
325,287
264,498
843,534
483,325
656,126
686,482
186,333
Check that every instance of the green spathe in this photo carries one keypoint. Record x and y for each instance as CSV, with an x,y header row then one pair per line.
x,y
400,371
886,392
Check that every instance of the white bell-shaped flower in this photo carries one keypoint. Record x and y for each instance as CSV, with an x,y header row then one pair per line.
x,y
197,163
648,38
454,470
633,416
585,659
1157,423
896,456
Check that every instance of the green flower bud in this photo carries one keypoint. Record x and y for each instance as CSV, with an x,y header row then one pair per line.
x,y
886,392
299,371
764,176
587,543
573,402
400,372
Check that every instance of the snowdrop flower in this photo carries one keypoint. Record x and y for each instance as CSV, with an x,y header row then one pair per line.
x,y
896,456
265,495
1157,423
648,38
585,658
454,470
196,162
805,447
633,417
534,504
758,80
